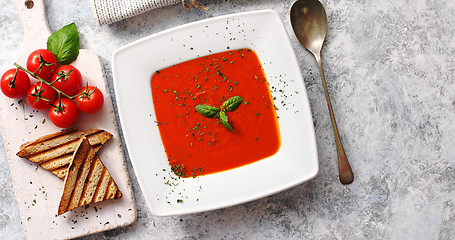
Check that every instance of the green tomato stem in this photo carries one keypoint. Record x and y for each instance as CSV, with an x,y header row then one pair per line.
x,y
47,83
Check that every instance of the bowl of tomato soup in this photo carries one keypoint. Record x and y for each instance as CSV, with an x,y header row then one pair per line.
x,y
198,145
214,113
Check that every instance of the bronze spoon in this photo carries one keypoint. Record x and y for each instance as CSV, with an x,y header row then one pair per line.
x,y
309,21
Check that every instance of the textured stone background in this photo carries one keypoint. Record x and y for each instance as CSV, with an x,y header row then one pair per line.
x,y
390,70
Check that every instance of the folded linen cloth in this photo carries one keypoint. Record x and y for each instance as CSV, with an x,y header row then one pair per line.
x,y
110,11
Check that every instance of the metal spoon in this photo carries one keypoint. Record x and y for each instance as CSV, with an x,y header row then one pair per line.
x,y
309,21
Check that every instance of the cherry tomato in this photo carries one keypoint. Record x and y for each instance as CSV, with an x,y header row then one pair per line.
x,y
42,62
91,99
40,96
67,79
15,83
63,113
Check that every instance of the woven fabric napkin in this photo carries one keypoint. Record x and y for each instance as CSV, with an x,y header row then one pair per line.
x,y
109,11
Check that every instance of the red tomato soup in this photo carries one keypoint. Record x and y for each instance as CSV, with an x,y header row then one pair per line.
x,y
196,144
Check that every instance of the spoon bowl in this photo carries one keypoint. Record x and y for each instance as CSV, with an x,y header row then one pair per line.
x,y
309,22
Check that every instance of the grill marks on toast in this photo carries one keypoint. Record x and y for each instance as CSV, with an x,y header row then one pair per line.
x,y
79,157
87,181
71,155
54,152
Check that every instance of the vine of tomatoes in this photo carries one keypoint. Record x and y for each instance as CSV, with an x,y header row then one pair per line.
x,y
58,88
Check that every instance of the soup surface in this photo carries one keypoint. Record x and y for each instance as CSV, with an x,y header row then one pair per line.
x,y
196,144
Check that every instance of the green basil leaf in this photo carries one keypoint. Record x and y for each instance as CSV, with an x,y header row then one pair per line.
x,y
64,44
225,121
232,103
207,111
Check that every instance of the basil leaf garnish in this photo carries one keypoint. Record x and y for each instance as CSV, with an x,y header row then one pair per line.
x,y
232,103
224,120
65,44
207,111
213,112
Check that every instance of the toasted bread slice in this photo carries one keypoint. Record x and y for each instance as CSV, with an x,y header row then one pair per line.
x,y
54,152
88,180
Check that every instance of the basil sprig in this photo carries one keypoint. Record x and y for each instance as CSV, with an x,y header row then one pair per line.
x,y
228,106
65,44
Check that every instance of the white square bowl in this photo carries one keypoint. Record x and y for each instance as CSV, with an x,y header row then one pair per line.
x,y
133,66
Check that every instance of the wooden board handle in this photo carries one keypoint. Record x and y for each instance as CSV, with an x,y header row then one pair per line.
x,y
33,19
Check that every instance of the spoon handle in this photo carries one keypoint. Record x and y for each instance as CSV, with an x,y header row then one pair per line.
x,y
344,169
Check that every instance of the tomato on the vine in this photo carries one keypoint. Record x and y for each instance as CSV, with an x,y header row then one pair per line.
x,y
90,99
40,96
67,79
42,62
15,83
63,113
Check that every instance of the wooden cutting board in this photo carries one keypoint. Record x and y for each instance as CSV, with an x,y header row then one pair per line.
x,y
38,191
